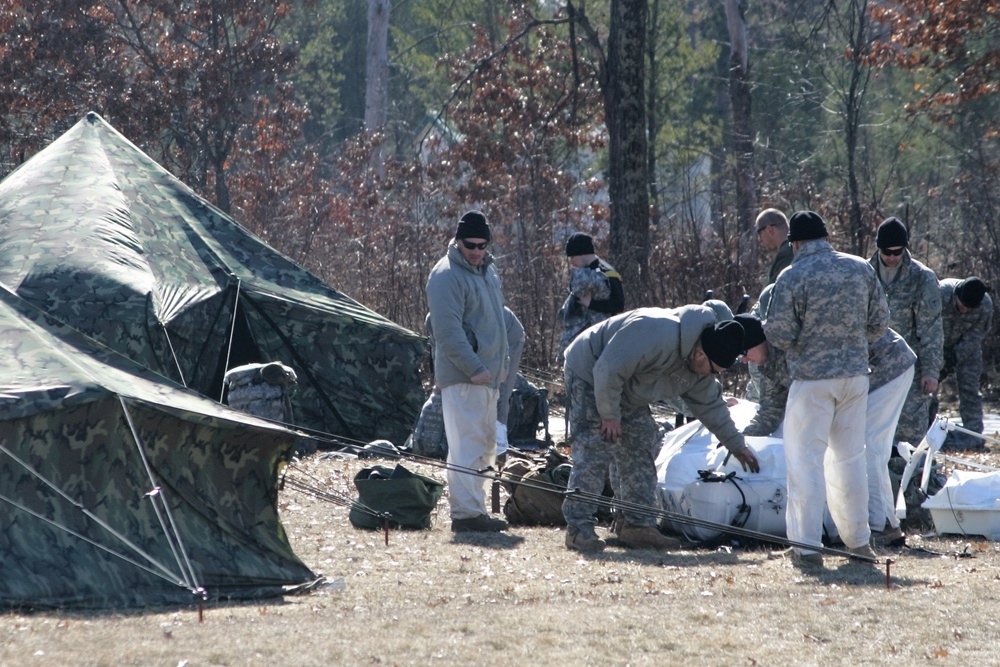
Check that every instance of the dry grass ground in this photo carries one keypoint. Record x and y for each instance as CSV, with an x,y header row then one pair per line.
x,y
432,597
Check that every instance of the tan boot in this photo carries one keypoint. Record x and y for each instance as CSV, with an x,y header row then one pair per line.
x,y
647,537
584,540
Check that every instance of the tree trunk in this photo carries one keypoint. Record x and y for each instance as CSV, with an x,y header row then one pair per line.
x,y
377,81
628,178
742,138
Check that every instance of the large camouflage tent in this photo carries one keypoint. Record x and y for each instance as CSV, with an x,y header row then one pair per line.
x,y
118,488
96,233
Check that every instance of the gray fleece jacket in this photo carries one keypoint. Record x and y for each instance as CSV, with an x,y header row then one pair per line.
x,y
467,317
640,357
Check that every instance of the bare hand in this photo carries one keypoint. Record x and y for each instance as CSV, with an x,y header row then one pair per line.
x,y
928,385
611,429
481,378
747,459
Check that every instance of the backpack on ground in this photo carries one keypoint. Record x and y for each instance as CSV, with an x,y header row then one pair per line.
x,y
535,486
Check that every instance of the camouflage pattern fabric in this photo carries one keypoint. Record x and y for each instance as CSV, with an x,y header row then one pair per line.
x,y
915,313
888,358
773,382
74,419
428,437
261,390
830,337
963,357
93,231
574,315
634,456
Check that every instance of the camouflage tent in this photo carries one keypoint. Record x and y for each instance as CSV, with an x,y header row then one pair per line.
x,y
118,488
94,232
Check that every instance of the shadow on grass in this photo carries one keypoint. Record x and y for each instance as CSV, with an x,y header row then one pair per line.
x,y
488,540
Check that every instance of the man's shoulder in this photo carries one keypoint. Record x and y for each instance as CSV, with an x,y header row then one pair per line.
x,y
917,271
604,267
442,266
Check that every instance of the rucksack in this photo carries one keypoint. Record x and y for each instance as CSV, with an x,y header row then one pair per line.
x,y
529,416
537,501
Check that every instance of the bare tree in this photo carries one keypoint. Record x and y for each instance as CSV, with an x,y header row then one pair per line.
x,y
377,74
742,128
621,74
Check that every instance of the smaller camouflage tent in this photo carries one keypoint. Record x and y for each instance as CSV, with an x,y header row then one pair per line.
x,y
96,233
119,488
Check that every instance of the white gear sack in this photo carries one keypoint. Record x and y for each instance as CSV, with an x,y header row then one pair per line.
x,y
682,490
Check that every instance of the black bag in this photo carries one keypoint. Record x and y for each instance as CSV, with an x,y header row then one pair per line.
x,y
407,496
529,416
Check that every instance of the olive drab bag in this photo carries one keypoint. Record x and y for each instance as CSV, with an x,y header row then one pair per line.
x,y
535,487
407,496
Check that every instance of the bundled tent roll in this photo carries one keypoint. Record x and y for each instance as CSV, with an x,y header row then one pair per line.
x,y
121,489
96,233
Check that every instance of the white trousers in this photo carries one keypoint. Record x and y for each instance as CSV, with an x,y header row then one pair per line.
x,y
470,416
825,458
885,404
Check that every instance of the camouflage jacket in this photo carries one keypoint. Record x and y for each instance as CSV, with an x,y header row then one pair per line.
x,y
888,357
640,357
915,311
467,319
604,285
826,308
773,380
963,329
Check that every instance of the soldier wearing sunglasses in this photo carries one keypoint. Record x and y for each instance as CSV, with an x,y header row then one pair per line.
x,y
466,306
915,314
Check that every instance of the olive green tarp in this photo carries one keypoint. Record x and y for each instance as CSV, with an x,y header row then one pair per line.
x,y
97,234
121,489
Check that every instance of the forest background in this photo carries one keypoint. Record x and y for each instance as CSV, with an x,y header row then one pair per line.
x,y
351,135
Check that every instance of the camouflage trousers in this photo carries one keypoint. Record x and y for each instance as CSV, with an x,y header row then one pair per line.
x,y
634,457
965,362
915,418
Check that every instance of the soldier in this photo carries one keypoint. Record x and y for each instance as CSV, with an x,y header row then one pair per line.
x,y
614,370
595,290
891,362
966,315
915,314
772,231
826,309
470,362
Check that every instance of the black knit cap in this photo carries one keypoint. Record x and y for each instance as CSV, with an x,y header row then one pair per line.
x,y
971,292
723,343
806,226
891,234
473,225
579,244
753,330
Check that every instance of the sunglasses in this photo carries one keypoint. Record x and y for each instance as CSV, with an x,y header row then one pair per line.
x,y
469,245
892,253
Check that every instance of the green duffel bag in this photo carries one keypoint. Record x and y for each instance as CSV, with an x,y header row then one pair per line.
x,y
407,496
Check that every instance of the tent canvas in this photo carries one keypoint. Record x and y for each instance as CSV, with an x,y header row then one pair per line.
x,y
119,488
96,233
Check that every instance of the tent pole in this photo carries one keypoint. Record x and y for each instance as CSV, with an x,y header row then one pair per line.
x,y
232,334
173,353
160,507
